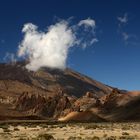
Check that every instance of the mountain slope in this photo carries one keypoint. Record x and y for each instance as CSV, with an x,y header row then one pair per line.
x,y
47,79
46,93
62,95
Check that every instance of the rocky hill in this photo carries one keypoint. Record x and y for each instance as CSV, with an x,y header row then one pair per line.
x,y
61,95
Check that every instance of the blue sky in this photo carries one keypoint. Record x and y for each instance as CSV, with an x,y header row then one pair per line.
x,y
113,60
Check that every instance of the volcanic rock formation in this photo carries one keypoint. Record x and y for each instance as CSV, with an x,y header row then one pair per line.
x,y
62,95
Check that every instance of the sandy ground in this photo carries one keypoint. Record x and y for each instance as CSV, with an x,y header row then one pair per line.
x,y
71,131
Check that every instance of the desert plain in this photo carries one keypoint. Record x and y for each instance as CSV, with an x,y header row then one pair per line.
x,y
69,131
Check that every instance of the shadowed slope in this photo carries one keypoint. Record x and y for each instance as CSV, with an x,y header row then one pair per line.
x,y
45,93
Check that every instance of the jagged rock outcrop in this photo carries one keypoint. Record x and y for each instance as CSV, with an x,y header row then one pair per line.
x,y
27,101
41,105
89,95
110,100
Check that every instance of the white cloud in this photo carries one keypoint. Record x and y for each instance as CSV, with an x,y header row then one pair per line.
x,y
87,23
51,48
130,39
125,36
89,35
124,19
48,49
94,40
89,43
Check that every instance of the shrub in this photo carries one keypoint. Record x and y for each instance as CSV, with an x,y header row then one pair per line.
x,y
105,135
72,138
16,129
125,133
4,126
111,138
95,138
127,138
91,126
45,137
6,130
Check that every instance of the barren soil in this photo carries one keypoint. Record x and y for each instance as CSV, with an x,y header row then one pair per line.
x,y
70,131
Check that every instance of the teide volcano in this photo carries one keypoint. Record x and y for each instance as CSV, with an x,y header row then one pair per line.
x,y
61,95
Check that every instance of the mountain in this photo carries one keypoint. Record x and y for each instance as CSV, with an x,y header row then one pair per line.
x,y
51,80
63,95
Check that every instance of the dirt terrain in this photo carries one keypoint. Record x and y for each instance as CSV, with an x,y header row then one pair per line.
x,y
70,131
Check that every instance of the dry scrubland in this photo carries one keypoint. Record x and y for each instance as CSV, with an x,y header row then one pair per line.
x,y
70,131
